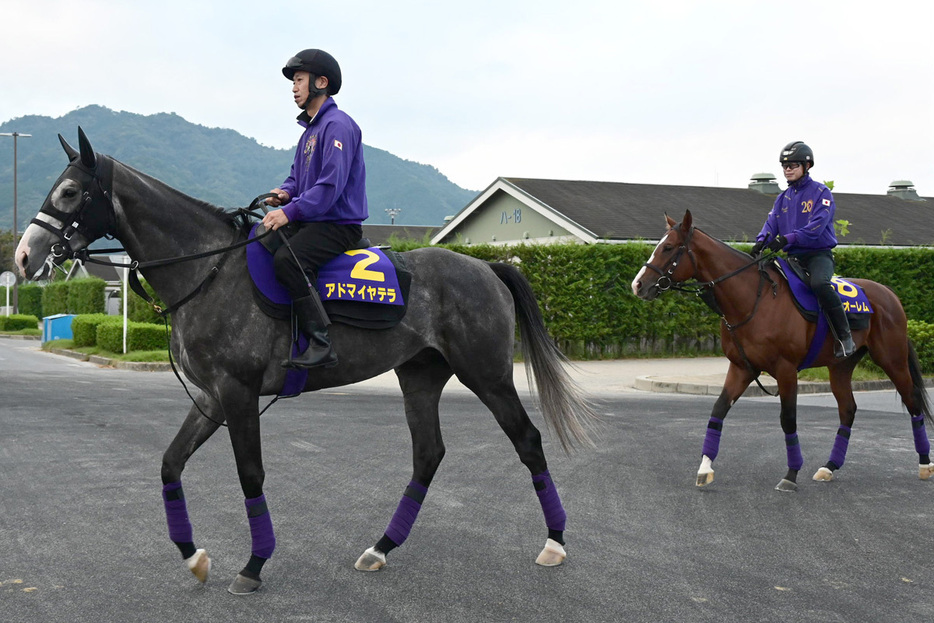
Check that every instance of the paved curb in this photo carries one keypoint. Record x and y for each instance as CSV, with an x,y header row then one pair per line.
x,y
712,385
139,366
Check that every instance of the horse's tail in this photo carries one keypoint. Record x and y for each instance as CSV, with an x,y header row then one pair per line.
x,y
917,382
568,412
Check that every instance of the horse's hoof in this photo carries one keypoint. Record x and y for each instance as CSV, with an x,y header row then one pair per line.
x,y
823,475
243,585
553,554
370,560
200,565
926,471
704,478
786,485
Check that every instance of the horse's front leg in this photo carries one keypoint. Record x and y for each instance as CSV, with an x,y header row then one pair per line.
x,y
240,406
738,379
842,388
788,393
196,429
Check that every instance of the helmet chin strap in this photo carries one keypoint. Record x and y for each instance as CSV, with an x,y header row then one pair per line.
x,y
313,92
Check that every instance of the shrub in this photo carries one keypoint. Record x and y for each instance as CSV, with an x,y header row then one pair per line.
x,y
84,328
139,336
922,335
30,299
55,298
86,296
17,322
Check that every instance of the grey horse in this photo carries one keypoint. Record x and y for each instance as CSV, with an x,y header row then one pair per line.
x,y
461,321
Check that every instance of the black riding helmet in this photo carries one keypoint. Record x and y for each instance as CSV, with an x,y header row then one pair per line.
x,y
796,152
317,63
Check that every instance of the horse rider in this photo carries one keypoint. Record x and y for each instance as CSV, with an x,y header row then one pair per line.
x,y
801,223
323,200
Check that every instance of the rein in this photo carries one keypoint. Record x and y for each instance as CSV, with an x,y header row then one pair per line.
x,y
704,291
102,172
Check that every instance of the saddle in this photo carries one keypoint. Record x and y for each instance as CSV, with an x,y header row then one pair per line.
x,y
855,304
364,287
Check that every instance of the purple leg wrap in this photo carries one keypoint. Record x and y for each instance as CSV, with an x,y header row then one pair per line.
x,y
712,439
264,540
404,518
838,454
176,513
555,517
922,445
795,460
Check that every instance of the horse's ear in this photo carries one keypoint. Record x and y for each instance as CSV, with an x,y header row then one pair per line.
x,y
671,222
69,150
88,158
687,224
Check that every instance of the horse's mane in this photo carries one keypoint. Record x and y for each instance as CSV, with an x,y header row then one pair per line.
x,y
226,216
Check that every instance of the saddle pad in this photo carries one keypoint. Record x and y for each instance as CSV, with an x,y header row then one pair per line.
x,y
362,287
852,296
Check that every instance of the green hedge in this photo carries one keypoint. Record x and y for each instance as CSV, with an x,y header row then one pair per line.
x,y
139,336
84,328
86,296
55,298
17,322
30,299
139,310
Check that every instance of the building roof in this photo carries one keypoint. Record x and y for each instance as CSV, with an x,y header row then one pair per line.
x,y
615,211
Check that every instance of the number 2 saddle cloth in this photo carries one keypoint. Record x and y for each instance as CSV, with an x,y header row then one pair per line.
x,y
855,304
365,287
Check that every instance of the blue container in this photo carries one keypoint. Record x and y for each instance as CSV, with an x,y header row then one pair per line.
x,y
57,327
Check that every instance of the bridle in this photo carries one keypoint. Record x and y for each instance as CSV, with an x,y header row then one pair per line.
x,y
704,289
95,217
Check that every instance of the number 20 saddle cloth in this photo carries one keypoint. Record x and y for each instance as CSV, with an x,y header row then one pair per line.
x,y
855,304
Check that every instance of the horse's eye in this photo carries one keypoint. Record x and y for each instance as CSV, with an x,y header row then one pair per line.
x,y
667,248
69,193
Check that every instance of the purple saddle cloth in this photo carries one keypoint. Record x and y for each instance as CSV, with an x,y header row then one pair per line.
x,y
362,287
855,304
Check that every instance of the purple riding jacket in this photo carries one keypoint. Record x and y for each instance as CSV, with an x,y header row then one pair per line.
x,y
804,215
327,182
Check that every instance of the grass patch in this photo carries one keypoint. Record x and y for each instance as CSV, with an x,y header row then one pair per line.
x,y
146,356
861,373
35,332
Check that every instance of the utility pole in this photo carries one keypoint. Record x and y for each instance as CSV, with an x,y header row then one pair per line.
x,y
15,136
392,212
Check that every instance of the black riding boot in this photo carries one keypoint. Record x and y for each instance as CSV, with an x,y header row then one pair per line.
x,y
312,321
843,345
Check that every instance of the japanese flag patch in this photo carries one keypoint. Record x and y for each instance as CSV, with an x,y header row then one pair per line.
x,y
340,146
825,202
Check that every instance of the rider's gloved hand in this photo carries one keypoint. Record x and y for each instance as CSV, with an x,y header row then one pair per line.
x,y
757,248
778,243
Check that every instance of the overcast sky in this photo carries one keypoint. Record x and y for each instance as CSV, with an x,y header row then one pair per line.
x,y
662,92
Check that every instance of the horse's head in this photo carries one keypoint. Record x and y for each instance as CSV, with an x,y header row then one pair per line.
x,y
666,263
78,210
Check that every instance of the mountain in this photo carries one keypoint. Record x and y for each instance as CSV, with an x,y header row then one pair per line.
x,y
217,165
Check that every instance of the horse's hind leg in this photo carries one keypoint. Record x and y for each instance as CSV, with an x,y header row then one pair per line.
x,y
499,395
841,385
902,367
422,381
194,432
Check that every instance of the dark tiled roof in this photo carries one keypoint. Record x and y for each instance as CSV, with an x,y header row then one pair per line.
x,y
619,211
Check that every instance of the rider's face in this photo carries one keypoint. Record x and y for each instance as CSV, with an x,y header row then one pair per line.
x,y
793,171
300,82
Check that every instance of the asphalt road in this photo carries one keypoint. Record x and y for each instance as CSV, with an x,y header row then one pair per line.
x,y
83,534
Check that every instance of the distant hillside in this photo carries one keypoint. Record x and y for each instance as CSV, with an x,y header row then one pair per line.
x,y
217,165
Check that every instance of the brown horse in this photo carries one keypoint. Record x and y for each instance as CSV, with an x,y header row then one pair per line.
x,y
762,331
